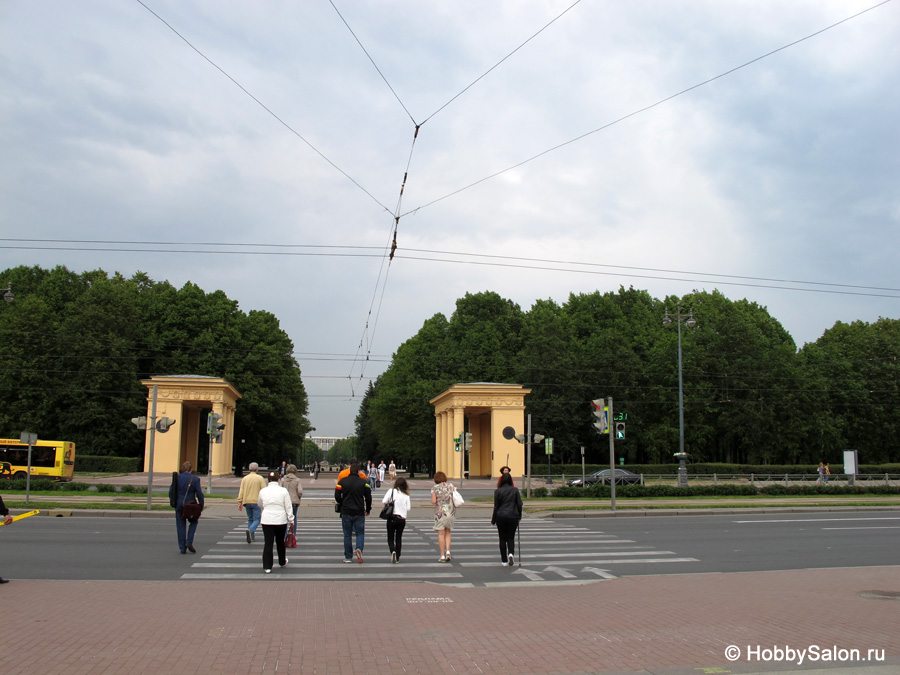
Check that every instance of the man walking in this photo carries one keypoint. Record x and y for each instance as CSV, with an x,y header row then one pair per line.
x,y
248,495
354,496
186,490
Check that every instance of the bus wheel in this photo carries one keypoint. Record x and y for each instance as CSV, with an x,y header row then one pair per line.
x,y
19,475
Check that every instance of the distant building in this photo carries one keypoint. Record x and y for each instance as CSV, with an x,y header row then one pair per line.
x,y
326,443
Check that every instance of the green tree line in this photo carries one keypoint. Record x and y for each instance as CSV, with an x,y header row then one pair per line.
x,y
74,347
750,396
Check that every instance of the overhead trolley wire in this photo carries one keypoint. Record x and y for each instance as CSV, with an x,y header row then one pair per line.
x,y
645,108
265,107
479,259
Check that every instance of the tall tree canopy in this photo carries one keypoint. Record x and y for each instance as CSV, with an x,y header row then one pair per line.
x,y
749,395
74,347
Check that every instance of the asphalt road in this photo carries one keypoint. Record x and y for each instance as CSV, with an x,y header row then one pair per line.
x,y
557,550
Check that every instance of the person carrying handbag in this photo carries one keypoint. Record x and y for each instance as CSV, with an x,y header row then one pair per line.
x,y
396,522
186,491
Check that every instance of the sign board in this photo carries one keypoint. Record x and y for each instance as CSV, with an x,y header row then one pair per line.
x,y
548,446
28,438
851,463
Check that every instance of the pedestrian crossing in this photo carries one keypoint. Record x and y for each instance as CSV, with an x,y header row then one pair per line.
x,y
558,551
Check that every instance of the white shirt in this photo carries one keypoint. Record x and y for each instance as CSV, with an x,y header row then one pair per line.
x,y
275,502
401,502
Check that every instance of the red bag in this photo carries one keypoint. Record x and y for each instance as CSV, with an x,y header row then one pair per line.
x,y
290,540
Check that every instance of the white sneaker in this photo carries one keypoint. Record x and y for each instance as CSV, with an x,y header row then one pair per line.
x,y
393,556
268,571
504,564
448,556
512,559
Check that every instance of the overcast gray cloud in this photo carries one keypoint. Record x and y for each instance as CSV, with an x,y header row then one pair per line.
x,y
114,128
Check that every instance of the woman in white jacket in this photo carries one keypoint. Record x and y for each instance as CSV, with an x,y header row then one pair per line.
x,y
276,513
399,494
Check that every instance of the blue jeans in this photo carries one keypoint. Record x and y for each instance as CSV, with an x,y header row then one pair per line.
x,y
253,516
184,538
351,524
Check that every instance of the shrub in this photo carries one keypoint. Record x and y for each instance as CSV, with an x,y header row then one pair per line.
x,y
105,487
106,464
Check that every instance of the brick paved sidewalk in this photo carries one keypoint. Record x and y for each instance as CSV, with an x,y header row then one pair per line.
x,y
654,624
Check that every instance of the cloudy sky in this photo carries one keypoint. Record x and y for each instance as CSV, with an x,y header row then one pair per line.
x,y
260,148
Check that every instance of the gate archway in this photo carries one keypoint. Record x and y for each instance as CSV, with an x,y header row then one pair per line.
x,y
484,409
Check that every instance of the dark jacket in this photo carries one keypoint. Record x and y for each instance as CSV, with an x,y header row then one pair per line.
x,y
507,504
186,489
3,510
354,495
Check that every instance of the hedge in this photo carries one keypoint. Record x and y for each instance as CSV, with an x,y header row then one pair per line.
x,y
107,464
45,484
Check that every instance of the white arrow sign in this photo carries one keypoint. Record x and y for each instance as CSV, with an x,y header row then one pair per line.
x,y
600,573
564,573
533,576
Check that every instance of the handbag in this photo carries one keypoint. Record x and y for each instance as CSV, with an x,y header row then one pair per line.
x,y
457,498
388,509
337,508
290,541
190,510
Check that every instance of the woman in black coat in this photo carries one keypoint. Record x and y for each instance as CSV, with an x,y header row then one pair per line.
x,y
506,516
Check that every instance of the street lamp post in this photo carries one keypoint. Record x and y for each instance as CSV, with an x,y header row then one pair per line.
x,y
690,323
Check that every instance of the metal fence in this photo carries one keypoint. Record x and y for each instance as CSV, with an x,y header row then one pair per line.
x,y
757,479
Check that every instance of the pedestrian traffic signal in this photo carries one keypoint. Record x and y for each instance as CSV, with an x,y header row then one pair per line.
x,y
620,430
163,424
139,422
214,426
467,442
601,412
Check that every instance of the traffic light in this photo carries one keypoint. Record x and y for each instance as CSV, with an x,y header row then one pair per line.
x,y
457,441
139,422
601,412
467,445
620,430
214,426
163,424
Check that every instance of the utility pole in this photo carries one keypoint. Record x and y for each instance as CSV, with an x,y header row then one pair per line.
x,y
612,460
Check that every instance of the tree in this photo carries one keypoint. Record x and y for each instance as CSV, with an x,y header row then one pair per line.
x,y
73,349
367,439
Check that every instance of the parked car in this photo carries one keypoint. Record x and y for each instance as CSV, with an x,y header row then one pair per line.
x,y
623,477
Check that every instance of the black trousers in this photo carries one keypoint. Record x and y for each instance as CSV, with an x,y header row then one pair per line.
x,y
506,528
274,534
395,527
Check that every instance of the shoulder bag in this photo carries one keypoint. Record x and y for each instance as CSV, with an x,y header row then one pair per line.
x,y
388,509
190,510
457,498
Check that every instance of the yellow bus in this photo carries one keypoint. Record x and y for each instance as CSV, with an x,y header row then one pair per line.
x,y
49,459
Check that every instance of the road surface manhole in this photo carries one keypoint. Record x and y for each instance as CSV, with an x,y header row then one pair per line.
x,y
881,595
